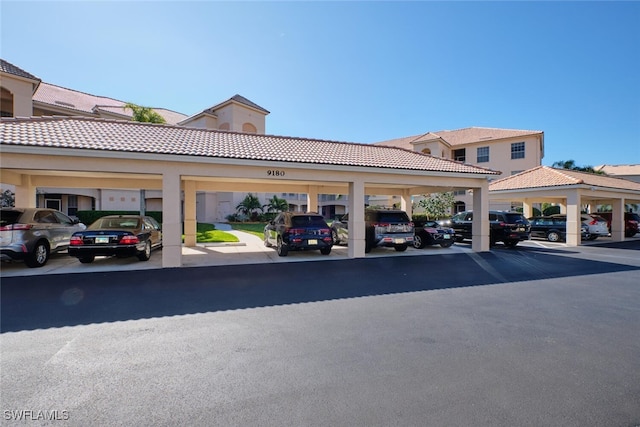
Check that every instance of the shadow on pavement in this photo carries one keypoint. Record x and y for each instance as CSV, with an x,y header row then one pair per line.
x,y
50,301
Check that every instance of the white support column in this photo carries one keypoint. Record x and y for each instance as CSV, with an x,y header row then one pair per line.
x,y
573,218
25,193
617,220
190,224
171,223
527,208
356,220
312,199
480,226
405,203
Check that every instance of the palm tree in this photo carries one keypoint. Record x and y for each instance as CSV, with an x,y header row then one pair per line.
x,y
144,114
571,165
276,204
249,206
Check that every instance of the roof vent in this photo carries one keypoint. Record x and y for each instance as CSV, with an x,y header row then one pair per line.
x,y
65,104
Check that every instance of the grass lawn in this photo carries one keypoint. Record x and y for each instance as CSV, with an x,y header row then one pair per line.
x,y
256,228
207,233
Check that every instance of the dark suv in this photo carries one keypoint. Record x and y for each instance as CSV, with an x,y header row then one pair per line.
x,y
383,227
298,231
506,227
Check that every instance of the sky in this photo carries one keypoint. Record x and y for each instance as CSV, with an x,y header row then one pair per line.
x,y
356,71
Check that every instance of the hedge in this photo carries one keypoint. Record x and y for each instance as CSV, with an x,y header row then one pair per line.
x,y
88,217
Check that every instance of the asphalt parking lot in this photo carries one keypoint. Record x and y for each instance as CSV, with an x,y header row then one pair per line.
x,y
540,335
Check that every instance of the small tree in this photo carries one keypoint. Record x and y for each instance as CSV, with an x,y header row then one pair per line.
x,y
250,206
437,205
571,165
8,198
276,204
144,114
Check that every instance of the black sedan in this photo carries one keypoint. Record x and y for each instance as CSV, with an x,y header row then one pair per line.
x,y
432,233
117,235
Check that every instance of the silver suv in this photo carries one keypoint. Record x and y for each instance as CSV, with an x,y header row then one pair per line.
x,y
383,227
31,234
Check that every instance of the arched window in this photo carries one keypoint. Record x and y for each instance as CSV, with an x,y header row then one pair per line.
x,y
249,128
427,151
224,126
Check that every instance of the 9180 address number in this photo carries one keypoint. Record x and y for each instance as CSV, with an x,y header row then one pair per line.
x,y
275,172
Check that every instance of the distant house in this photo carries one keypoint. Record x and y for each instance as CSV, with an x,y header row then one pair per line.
x,y
509,151
630,172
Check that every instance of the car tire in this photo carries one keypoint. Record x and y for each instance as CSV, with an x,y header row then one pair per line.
x,y
446,244
282,249
553,236
87,259
325,251
39,255
334,235
401,248
459,239
511,243
146,253
418,243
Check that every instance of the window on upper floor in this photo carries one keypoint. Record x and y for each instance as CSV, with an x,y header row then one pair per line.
x,y
426,151
224,126
460,155
517,150
483,154
459,192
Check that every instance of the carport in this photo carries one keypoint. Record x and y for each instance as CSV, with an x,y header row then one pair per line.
x,y
81,152
571,190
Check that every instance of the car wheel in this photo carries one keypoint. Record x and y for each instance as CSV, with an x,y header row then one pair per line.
x,y
418,243
282,248
146,253
446,243
39,256
334,235
459,239
401,248
325,251
553,236
511,243
87,259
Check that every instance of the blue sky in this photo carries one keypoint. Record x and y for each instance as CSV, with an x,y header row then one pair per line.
x,y
356,71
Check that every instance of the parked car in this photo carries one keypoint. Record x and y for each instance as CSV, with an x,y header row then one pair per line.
x,y
631,222
432,233
32,234
553,228
297,231
507,227
596,224
383,227
117,235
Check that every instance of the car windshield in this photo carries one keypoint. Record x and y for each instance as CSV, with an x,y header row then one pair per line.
x,y
115,223
392,217
308,221
9,217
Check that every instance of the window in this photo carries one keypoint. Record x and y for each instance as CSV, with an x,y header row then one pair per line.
x,y
459,192
517,150
249,128
426,151
483,154
459,155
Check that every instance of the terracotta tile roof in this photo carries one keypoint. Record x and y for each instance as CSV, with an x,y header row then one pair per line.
x,y
85,103
237,98
619,169
126,136
545,176
460,137
9,68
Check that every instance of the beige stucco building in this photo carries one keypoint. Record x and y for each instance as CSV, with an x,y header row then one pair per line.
x,y
509,151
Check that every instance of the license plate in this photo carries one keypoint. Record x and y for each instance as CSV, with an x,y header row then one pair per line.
x,y
102,240
446,236
398,241
313,241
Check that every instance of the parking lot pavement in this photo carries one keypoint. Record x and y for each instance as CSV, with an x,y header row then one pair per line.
x,y
250,250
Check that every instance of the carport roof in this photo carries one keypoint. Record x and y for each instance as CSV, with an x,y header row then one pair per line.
x,y
545,176
127,136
